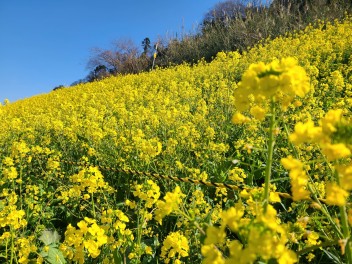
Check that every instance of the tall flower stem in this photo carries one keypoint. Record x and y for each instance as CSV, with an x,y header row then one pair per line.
x,y
12,245
93,206
345,227
346,234
269,162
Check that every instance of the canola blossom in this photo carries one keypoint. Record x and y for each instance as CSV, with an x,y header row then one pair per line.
x,y
279,80
275,120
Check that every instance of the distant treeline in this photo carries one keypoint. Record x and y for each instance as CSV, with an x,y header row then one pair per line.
x,y
229,25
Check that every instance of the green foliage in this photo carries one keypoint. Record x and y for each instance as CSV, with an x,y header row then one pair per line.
x,y
244,28
50,251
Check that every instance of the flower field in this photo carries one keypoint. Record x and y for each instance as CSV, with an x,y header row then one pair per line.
x,y
246,159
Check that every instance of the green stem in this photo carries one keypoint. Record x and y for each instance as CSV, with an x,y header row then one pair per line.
x,y
21,204
12,246
312,248
346,234
269,161
140,222
93,205
324,210
345,227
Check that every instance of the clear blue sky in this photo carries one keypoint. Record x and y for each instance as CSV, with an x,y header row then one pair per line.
x,y
46,43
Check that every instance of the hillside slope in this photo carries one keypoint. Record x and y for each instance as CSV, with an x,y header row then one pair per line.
x,y
75,162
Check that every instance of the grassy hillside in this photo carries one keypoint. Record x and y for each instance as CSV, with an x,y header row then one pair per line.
x,y
60,202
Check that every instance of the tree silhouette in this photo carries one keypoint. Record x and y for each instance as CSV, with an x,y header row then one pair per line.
x,y
146,45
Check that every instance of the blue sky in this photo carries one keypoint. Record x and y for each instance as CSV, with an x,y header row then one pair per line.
x,y
46,43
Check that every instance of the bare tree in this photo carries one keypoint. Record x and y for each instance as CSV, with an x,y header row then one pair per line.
x,y
224,11
123,58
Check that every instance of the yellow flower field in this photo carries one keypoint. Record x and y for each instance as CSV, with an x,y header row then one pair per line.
x,y
121,170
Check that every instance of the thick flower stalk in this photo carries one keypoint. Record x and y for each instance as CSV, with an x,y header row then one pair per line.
x,y
267,88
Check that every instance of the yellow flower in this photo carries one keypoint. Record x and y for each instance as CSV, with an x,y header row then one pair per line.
x,y
274,197
130,204
299,181
288,257
298,177
237,175
336,151
239,118
312,238
212,255
53,164
214,235
8,161
92,247
232,216
258,112
330,120
10,173
345,174
175,245
121,216
148,250
279,79
306,132
171,203
310,257
291,163
83,226
335,195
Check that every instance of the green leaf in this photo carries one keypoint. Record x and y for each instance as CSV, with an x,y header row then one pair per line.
x,y
117,257
49,237
55,256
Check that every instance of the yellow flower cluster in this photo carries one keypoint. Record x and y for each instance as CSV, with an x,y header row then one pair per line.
x,y
326,135
88,236
114,222
279,81
174,247
298,176
25,247
10,216
265,227
323,135
85,184
149,193
171,203
237,175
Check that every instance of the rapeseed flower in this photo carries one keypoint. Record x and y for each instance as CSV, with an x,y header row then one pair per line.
x,y
89,236
335,195
212,255
335,151
298,177
171,203
345,175
282,79
215,235
174,246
